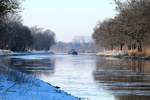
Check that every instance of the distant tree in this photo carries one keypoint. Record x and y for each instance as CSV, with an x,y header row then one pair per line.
x,y
135,16
104,35
42,39
19,38
129,27
7,8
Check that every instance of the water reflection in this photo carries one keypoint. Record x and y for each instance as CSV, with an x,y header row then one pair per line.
x,y
87,76
133,97
74,75
31,64
126,79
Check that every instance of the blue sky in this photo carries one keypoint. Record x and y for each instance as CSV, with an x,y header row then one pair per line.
x,y
67,18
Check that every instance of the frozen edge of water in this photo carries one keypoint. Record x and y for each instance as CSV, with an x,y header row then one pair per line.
x,y
19,86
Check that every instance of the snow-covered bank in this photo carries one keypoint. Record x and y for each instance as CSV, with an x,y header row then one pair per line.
x,y
111,53
11,53
18,86
5,52
124,54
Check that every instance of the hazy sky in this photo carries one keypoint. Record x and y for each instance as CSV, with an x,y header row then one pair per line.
x,y
67,18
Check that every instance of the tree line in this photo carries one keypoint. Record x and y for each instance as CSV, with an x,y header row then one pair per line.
x,y
130,27
15,36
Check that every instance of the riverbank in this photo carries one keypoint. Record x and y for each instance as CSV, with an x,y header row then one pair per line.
x,y
125,54
18,86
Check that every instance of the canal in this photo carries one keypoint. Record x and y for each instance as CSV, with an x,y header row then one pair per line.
x,y
88,76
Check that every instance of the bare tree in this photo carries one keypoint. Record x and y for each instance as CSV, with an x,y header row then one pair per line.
x,y
130,27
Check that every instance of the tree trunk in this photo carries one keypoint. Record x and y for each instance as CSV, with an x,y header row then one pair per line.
x,y
129,47
112,47
139,46
121,46
134,46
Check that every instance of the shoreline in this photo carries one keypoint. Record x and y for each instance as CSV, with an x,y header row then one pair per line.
x,y
122,55
127,57
16,85
133,57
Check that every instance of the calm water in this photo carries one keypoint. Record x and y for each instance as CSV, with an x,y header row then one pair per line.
x,y
88,76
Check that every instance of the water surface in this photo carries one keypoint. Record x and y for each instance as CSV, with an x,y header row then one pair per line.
x,y
88,76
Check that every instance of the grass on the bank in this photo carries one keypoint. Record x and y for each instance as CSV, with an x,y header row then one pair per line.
x,y
145,53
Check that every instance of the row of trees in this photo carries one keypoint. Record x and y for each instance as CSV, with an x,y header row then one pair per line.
x,y
15,36
130,27
81,47
42,39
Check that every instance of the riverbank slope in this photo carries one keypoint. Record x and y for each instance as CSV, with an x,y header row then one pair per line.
x,y
126,54
18,86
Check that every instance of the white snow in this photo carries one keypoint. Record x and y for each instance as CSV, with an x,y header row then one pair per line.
x,y
12,87
111,53
5,52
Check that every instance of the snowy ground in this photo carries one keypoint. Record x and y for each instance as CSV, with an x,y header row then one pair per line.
x,y
18,86
111,53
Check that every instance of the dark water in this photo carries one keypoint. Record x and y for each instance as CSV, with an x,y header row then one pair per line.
x,y
88,76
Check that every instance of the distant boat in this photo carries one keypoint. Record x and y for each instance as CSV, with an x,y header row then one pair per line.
x,y
73,52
